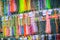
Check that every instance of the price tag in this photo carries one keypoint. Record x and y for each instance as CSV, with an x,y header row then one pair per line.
x,y
34,37
59,11
50,37
42,37
8,38
10,18
10,31
20,38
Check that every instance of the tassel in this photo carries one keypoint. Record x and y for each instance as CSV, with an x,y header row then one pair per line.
x,y
8,26
16,23
32,5
12,31
10,18
12,6
9,14
30,25
48,27
4,31
21,24
19,28
11,25
8,8
35,29
47,4
28,5
25,5
5,7
4,26
25,25
7,32
22,6
55,26
59,24
41,4
22,30
1,8
56,21
14,27
0,24
26,18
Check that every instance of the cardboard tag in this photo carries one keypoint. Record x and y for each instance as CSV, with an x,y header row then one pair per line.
x,y
2,18
49,12
31,14
25,38
6,18
21,16
44,12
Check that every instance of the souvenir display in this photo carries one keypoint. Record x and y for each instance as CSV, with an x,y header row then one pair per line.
x,y
13,6
30,19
